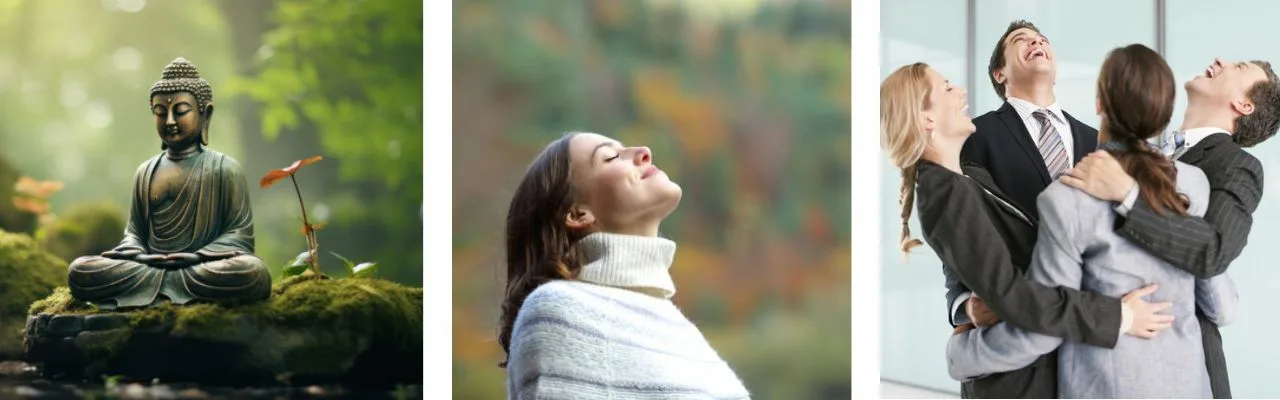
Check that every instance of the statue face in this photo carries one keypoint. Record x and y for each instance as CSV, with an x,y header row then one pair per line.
x,y
177,117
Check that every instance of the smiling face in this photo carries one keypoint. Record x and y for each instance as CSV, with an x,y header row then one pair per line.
x,y
1226,84
947,113
178,119
619,189
1023,55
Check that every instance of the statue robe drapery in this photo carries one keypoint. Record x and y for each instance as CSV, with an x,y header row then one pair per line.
x,y
210,216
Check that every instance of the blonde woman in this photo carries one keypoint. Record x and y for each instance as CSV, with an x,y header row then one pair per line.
x,y
984,240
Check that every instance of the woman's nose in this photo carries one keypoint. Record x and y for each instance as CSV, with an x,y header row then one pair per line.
x,y
643,155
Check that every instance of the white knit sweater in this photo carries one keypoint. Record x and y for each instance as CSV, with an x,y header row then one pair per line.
x,y
614,333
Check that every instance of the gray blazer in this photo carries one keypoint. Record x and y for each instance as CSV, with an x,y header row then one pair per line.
x,y
1078,248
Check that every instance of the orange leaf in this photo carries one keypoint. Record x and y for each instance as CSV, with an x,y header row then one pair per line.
x,y
302,163
48,188
276,175
25,185
272,177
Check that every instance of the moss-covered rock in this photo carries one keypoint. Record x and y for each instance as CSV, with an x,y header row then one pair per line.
x,y
362,331
85,229
27,273
11,218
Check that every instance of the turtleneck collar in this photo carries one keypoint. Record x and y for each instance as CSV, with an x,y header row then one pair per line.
x,y
639,263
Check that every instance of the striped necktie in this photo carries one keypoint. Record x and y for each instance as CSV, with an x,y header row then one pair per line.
x,y
1051,146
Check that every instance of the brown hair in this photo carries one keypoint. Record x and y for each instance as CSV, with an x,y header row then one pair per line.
x,y
997,55
1262,124
539,244
1136,92
903,95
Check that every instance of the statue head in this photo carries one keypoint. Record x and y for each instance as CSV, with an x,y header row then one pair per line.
x,y
182,104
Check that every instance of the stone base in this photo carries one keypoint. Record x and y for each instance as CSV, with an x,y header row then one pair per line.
x,y
367,332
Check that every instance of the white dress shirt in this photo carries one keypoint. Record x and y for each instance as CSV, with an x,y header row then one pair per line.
x,y
1026,109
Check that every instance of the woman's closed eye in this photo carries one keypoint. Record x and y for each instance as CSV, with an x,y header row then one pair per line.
x,y
613,157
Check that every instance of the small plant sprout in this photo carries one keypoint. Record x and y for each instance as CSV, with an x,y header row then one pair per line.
x,y
310,257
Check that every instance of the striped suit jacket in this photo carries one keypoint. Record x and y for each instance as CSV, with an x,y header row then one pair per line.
x,y
1205,246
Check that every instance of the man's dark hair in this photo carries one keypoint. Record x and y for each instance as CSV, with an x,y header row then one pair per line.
x,y
1263,123
997,55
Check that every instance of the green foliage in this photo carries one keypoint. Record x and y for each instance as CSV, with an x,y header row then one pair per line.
x,y
354,69
300,264
85,229
27,273
348,75
362,270
11,218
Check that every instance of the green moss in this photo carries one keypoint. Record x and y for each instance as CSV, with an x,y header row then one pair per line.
x,y
27,273
60,302
376,309
86,228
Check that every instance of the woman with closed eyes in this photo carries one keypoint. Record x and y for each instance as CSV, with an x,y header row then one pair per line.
x,y
588,311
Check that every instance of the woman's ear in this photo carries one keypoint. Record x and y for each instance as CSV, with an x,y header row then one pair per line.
x,y
579,218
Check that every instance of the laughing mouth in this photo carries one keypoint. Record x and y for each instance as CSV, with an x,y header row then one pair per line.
x,y
1209,72
1037,52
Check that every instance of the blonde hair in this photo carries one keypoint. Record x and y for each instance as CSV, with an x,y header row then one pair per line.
x,y
903,95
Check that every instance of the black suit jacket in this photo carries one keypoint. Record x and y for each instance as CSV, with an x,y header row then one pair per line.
x,y
1205,246
987,248
1003,146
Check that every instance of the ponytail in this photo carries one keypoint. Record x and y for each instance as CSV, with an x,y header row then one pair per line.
x,y
906,198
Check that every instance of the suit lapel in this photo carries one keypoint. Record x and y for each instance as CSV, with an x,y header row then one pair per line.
x,y
1195,154
1022,137
983,179
1081,138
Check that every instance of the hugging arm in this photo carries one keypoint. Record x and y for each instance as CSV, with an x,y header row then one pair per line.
x,y
961,233
1005,347
1202,246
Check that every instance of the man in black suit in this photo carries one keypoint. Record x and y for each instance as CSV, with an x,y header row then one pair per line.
x,y
1029,141
1229,107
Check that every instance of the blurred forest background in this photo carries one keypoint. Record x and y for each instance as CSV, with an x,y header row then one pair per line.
x,y
291,79
745,105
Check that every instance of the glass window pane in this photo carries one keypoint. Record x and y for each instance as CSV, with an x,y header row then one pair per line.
x,y
913,328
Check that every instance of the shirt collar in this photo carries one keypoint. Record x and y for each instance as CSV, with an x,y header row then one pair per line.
x,y
1025,108
1195,135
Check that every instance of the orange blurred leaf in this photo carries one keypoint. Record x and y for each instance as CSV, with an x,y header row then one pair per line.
x,y
26,185
34,206
48,188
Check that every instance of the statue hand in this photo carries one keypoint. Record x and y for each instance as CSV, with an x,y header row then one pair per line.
x,y
126,253
210,255
183,258
150,259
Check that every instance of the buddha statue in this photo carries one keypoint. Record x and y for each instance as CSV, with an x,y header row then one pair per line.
x,y
190,231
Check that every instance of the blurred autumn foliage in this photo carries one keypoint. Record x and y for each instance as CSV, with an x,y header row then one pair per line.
x,y
744,104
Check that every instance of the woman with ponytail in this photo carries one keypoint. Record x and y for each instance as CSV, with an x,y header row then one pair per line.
x,y
588,311
984,240
1078,248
